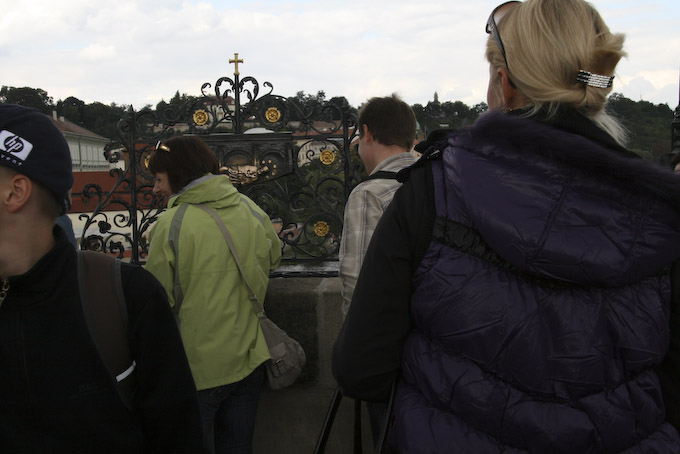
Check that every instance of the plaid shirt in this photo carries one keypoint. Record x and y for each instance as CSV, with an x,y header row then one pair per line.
x,y
363,210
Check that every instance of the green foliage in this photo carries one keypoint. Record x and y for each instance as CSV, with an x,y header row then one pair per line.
x,y
648,125
306,103
437,115
180,100
26,96
72,109
103,119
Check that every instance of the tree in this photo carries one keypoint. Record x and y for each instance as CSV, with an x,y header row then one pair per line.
x,y
180,100
451,115
479,109
177,99
648,125
72,109
161,106
306,103
103,119
28,97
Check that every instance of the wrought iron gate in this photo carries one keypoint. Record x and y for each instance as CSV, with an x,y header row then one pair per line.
x,y
294,162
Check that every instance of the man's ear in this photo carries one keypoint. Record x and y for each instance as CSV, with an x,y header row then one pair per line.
x,y
367,133
16,192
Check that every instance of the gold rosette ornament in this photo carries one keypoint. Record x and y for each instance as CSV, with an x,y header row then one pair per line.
x,y
273,115
321,229
200,117
327,157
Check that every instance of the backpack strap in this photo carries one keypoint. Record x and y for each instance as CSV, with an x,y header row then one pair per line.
x,y
173,241
382,174
103,302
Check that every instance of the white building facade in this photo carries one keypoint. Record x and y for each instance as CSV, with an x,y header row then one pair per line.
x,y
87,148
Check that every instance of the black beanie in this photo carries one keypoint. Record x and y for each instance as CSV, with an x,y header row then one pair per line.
x,y
33,146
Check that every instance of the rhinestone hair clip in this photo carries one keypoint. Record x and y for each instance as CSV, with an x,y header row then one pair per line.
x,y
594,80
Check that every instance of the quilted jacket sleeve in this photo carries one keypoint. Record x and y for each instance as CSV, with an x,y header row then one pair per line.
x,y
669,370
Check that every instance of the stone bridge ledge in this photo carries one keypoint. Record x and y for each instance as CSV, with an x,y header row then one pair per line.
x,y
290,421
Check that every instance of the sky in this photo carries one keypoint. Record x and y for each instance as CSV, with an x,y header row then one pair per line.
x,y
138,52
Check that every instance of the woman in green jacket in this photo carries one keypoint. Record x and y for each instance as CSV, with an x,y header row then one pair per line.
x,y
189,255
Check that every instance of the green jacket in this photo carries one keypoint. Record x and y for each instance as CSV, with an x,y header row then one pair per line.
x,y
221,334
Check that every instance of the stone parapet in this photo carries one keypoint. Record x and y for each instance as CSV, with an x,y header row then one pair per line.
x,y
290,420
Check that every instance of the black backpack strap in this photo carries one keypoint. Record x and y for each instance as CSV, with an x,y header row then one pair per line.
x,y
105,311
381,174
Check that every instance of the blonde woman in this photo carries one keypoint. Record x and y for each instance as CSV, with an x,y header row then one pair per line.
x,y
520,283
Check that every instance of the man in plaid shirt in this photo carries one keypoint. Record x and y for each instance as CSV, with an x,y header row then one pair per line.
x,y
387,130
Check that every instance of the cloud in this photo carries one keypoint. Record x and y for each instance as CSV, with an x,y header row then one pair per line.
x,y
137,52
97,52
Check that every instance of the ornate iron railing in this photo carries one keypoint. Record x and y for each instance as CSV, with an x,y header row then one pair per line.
x,y
300,171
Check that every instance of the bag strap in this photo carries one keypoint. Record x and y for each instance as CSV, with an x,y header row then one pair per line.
x,y
257,306
382,174
105,311
173,242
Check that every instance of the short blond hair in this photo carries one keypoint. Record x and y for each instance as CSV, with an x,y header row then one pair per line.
x,y
546,43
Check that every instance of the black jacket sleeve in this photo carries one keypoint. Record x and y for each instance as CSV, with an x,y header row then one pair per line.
x,y
367,353
669,370
165,396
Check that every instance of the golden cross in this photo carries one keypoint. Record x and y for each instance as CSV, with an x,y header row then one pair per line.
x,y
236,61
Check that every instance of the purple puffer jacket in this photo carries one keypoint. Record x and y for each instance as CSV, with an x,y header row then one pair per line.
x,y
542,305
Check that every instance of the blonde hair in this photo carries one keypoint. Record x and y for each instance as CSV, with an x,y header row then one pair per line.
x,y
546,43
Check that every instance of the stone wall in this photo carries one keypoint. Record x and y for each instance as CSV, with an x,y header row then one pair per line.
x,y
290,420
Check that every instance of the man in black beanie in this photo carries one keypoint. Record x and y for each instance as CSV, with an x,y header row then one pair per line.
x,y
56,393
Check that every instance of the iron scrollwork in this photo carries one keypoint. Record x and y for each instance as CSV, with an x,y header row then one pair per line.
x,y
300,170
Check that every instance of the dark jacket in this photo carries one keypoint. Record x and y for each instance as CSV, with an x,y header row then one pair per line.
x,y
538,306
55,392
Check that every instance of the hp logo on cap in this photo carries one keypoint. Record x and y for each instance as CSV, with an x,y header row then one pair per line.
x,y
17,146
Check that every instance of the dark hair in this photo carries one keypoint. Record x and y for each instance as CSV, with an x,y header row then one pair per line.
x,y
184,159
390,120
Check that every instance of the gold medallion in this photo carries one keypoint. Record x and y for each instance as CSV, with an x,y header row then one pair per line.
x,y
327,157
321,229
200,117
273,115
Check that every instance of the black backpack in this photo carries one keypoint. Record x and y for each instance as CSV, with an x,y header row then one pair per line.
x,y
105,311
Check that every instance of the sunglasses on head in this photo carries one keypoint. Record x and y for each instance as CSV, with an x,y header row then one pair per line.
x,y
492,26
161,146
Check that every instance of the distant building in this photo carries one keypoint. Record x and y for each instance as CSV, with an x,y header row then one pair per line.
x,y
87,148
